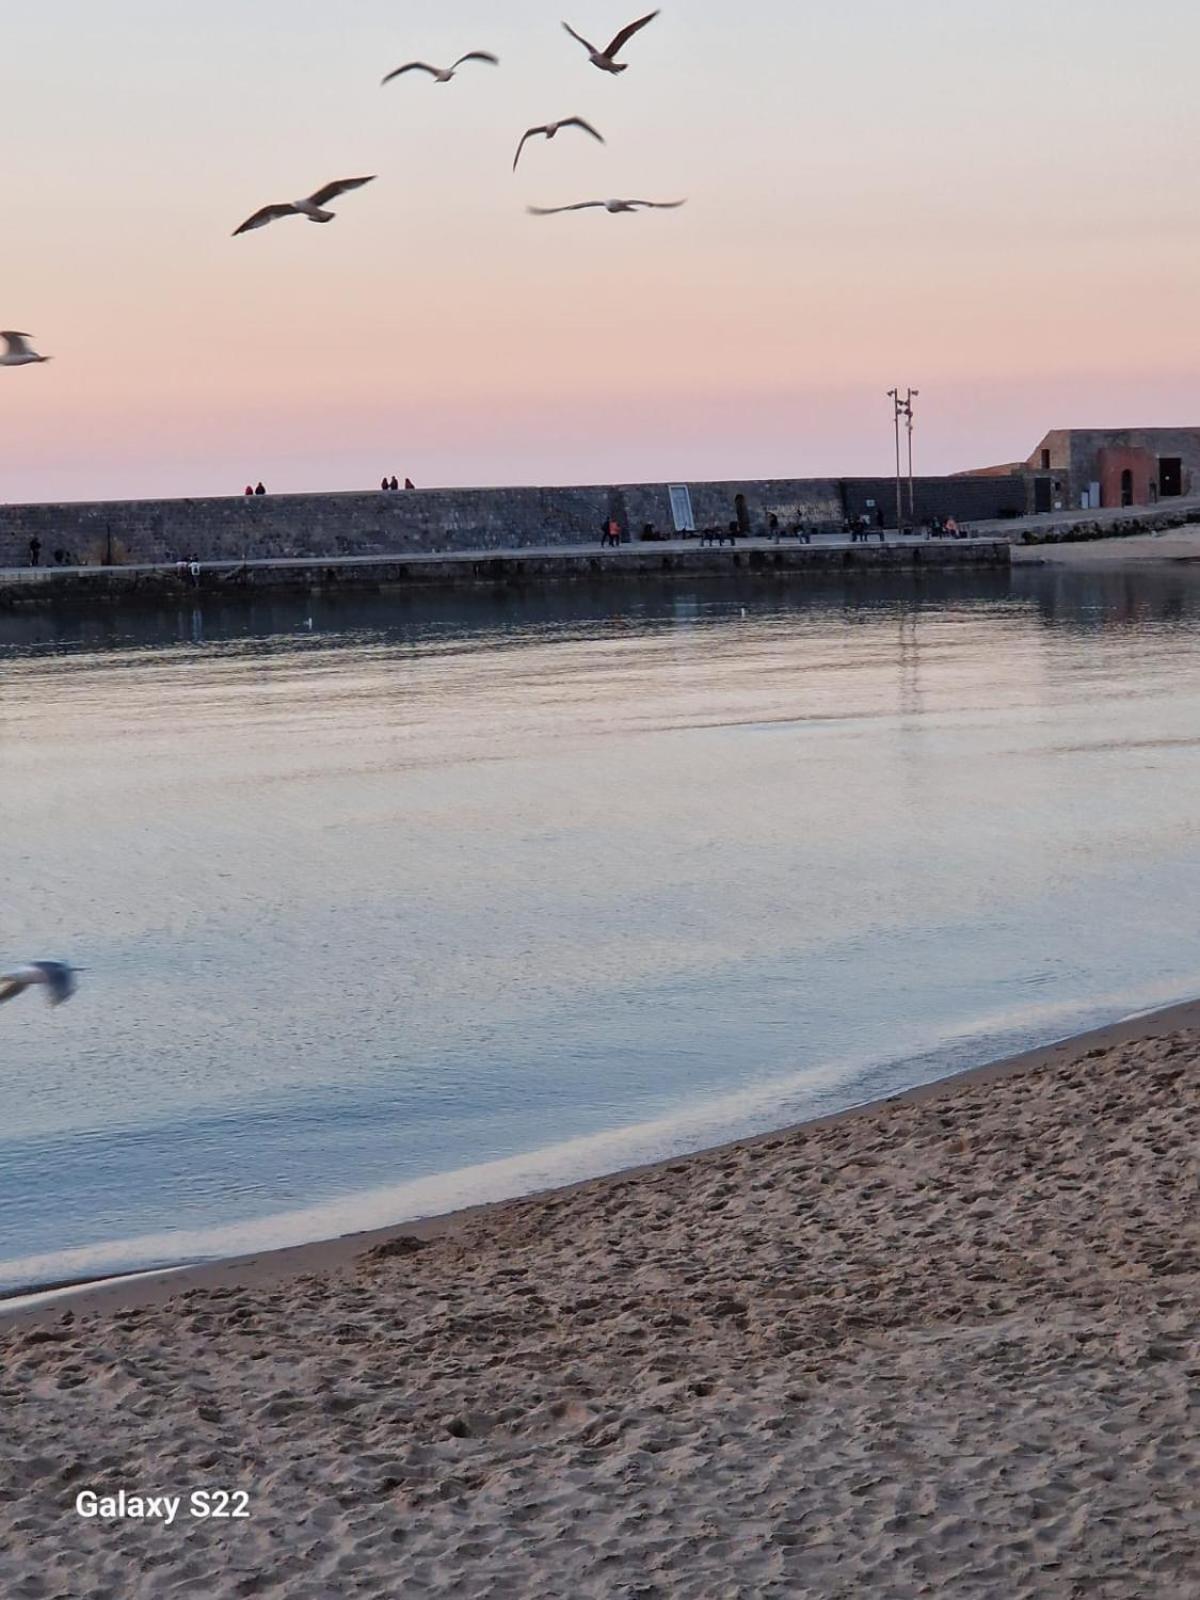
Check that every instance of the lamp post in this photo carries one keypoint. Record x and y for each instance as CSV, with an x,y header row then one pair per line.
x,y
894,397
902,406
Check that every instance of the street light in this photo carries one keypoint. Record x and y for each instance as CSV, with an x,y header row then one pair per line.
x,y
902,406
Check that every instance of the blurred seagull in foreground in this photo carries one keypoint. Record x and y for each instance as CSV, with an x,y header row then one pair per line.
x,y
58,977
551,128
312,207
17,351
442,74
606,59
608,205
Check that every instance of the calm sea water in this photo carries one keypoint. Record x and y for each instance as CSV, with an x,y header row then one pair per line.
x,y
436,903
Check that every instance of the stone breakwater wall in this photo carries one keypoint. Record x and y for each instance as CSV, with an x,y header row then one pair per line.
x,y
411,575
408,522
1052,530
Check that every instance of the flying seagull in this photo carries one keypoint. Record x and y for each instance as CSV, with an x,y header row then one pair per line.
x,y
312,208
606,59
57,976
443,74
17,351
551,128
608,205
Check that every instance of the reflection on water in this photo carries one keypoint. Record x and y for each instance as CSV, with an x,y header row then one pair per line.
x,y
444,897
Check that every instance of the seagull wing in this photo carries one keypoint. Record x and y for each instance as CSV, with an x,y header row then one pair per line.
x,y
658,205
477,55
626,34
59,979
578,122
590,48
410,66
261,218
528,134
551,211
330,191
17,343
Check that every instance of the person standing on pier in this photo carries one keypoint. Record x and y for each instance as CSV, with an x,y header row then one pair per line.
x,y
35,551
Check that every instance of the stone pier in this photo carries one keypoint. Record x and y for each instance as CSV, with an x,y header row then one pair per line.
x,y
755,559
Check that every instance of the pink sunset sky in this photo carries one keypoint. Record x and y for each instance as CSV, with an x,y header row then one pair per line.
x,y
990,202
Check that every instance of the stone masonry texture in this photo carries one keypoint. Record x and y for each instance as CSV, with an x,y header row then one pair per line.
x,y
374,523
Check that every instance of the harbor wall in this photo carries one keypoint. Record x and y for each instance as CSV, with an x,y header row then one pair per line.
x,y
406,522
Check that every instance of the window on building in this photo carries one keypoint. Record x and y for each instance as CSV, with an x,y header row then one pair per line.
x,y
1045,461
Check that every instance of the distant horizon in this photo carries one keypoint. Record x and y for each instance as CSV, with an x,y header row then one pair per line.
x,y
295,473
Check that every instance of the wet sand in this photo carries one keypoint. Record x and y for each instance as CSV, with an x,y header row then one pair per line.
x,y
942,1345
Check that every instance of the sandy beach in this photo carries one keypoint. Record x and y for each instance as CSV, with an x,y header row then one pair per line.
x,y
942,1345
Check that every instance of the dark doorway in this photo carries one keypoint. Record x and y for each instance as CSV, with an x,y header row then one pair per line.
x,y
1127,487
743,516
1045,461
1042,495
1170,475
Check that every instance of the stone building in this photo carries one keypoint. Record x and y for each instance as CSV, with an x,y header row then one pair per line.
x,y
1119,466
1093,467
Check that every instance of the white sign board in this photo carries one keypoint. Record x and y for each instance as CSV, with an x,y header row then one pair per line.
x,y
681,508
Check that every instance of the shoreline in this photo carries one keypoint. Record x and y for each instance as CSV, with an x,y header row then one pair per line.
x,y
153,1286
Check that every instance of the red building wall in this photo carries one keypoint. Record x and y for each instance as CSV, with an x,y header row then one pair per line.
x,y
1114,460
